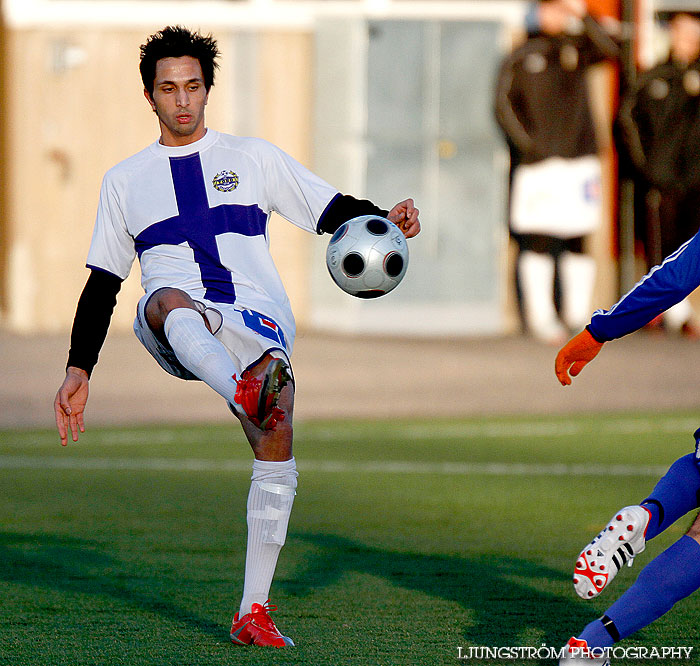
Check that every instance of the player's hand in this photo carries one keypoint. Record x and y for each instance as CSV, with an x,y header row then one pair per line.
x,y
574,355
405,216
69,404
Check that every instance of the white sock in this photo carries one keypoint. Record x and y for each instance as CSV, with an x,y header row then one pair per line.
x,y
270,500
678,314
200,352
537,282
577,283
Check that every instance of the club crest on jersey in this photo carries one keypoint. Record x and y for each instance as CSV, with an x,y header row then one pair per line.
x,y
225,181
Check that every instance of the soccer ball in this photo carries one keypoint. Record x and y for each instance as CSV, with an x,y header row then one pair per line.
x,y
367,256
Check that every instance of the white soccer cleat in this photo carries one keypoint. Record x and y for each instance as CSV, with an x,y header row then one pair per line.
x,y
576,653
618,544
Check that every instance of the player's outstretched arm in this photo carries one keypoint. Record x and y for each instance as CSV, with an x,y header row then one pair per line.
x,y
69,404
90,326
574,355
405,216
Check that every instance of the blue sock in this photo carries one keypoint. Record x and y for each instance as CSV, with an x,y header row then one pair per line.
x,y
674,495
596,635
668,578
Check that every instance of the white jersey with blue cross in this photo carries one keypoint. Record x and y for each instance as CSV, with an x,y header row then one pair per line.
x,y
197,218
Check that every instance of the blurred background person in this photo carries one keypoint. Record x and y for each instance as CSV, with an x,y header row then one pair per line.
x,y
659,124
542,105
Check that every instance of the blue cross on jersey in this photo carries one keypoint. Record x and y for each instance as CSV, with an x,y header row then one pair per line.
x,y
198,225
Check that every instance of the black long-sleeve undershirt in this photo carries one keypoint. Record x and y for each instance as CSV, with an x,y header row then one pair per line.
x,y
345,207
92,318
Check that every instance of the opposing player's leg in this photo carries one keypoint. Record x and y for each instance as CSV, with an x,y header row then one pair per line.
x,y
670,577
272,490
578,653
618,543
626,534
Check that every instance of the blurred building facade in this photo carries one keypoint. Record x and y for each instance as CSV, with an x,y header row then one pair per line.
x,y
383,98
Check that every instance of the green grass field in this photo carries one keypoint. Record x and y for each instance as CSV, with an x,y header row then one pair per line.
x,y
406,541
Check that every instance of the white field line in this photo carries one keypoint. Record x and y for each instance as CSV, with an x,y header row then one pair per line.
x,y
549,428
330,466
466,431
515,429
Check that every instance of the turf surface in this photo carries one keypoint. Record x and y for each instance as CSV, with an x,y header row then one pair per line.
x,y
406,541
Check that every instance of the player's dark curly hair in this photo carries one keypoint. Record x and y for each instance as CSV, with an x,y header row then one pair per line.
x,y
175,42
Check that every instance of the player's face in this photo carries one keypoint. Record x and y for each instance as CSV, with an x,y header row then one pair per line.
x,y
179,98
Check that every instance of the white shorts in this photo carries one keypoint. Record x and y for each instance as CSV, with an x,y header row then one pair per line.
x,y
248,336
558,197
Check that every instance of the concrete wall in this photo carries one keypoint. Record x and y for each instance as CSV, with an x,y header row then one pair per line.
x,y
286,74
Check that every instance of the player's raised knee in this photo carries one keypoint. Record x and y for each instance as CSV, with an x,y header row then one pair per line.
x,y
162,302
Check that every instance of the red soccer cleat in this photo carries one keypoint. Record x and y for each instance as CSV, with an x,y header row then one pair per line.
x,y
259,397
257,628
577,653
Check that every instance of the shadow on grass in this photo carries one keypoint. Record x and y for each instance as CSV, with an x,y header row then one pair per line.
x,y
77,566
502,594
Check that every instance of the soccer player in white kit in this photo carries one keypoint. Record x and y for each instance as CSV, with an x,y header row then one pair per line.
x,y
194,207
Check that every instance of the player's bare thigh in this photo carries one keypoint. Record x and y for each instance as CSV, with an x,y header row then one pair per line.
x,y
275,445
694,530
162,302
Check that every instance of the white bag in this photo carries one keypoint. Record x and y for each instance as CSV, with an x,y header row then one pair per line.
x,y
558,197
